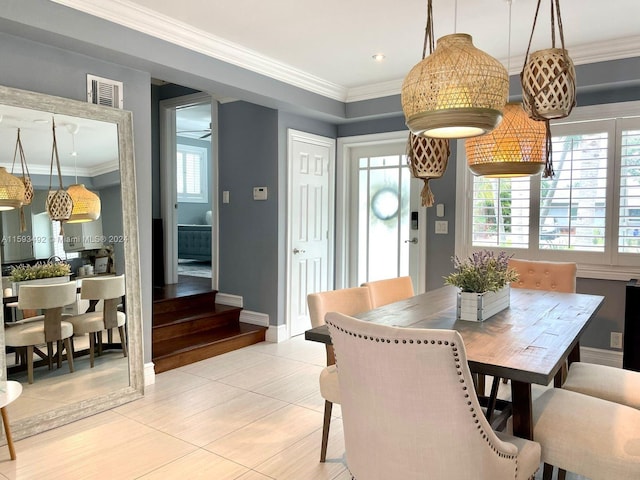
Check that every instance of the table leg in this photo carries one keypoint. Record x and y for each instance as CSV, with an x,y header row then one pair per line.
x,y
574,355
522,410
331,356
7,431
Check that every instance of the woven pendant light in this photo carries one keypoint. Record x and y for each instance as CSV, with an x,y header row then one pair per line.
x,y
428,158
59,203
456,92
86,204
548,77
11,190
515,148
25,179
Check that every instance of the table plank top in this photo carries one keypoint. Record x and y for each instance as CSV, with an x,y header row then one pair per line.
x,y
527,342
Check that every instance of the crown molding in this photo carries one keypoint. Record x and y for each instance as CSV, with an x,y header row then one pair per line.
x,y
131,15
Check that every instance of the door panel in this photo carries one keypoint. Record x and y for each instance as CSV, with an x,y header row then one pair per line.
x,y
310,166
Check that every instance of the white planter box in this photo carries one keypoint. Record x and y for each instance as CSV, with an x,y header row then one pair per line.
x,y
39,281
477,307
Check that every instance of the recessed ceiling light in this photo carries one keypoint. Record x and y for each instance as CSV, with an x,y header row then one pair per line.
x,y
378,57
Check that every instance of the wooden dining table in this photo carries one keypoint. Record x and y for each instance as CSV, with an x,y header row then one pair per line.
x,y
527,343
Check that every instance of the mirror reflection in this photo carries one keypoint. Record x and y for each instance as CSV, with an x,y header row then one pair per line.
x,y
65,348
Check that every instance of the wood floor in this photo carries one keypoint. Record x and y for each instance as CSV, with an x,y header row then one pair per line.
x,y
251,414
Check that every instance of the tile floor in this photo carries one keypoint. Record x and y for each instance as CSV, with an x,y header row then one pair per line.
x,y
252,414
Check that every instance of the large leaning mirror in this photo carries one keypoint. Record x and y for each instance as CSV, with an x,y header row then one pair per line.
x,y
95,148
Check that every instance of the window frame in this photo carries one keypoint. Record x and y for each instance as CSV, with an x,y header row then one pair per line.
x,y
203,196
610,264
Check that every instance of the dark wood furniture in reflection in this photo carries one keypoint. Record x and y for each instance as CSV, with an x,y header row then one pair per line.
x,y
526,343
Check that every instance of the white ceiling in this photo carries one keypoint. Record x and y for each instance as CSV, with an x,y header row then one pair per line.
x,y
95,143
326,46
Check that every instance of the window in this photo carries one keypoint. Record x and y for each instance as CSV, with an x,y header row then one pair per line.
x,y
191,166
588,212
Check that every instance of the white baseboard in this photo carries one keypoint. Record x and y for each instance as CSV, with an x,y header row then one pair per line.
x,y
149,374
600,356
277,333
228,299
254,318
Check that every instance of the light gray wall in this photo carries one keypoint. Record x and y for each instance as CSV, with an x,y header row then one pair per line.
x,y
248,152
112,228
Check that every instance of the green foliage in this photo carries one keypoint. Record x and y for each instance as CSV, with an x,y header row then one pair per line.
x,y
22,272
482,272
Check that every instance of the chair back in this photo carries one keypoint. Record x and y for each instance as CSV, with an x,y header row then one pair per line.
x,y
349,301
109,289
102,288
409,406
389,290
550,276
46,296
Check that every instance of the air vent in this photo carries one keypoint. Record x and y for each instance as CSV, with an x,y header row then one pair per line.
x,y
103,91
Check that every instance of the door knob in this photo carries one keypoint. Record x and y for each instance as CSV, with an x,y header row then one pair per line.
x,y
413,240
296,251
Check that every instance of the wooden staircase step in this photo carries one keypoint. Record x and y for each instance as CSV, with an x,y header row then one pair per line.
x,y
164,305
196,323
178,351
172,318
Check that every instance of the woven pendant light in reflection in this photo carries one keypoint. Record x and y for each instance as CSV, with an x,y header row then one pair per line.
x,y
86,204
515,149
11,191
458,91
59,203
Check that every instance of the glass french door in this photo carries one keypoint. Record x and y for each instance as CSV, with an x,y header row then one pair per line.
x,y
387,220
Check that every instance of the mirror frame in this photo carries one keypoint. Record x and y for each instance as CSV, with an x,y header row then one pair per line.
x,y
124,123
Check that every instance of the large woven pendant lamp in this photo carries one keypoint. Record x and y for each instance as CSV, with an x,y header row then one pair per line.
x,y
59,203
456,92
11,190
86,204
26,180
515,148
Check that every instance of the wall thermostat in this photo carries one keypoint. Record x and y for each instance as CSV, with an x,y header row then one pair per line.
x,y
259,193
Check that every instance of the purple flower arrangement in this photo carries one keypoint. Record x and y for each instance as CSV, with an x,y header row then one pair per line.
x,y
482,272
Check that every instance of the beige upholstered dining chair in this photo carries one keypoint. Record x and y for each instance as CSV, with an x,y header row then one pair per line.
x,y
609,383
410,410
591,437
349,301
46,328
389,290
538,275
110,290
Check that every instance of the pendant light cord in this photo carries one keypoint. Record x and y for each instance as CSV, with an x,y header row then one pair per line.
x,y
428,31
509,41
455,17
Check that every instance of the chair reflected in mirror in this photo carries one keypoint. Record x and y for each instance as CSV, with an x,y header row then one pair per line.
x,y
27,335
110,290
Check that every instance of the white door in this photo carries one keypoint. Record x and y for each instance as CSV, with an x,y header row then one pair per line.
x,y
388,232
310,223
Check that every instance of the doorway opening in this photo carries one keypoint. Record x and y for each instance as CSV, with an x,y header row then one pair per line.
x,y
188,159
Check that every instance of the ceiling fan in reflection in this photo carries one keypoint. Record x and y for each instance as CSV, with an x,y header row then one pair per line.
x,y
206,132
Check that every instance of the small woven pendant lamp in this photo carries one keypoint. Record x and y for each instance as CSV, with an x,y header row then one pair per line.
x,y
548,81
456,92
26,180
59,204
548,76
428,158
515,148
